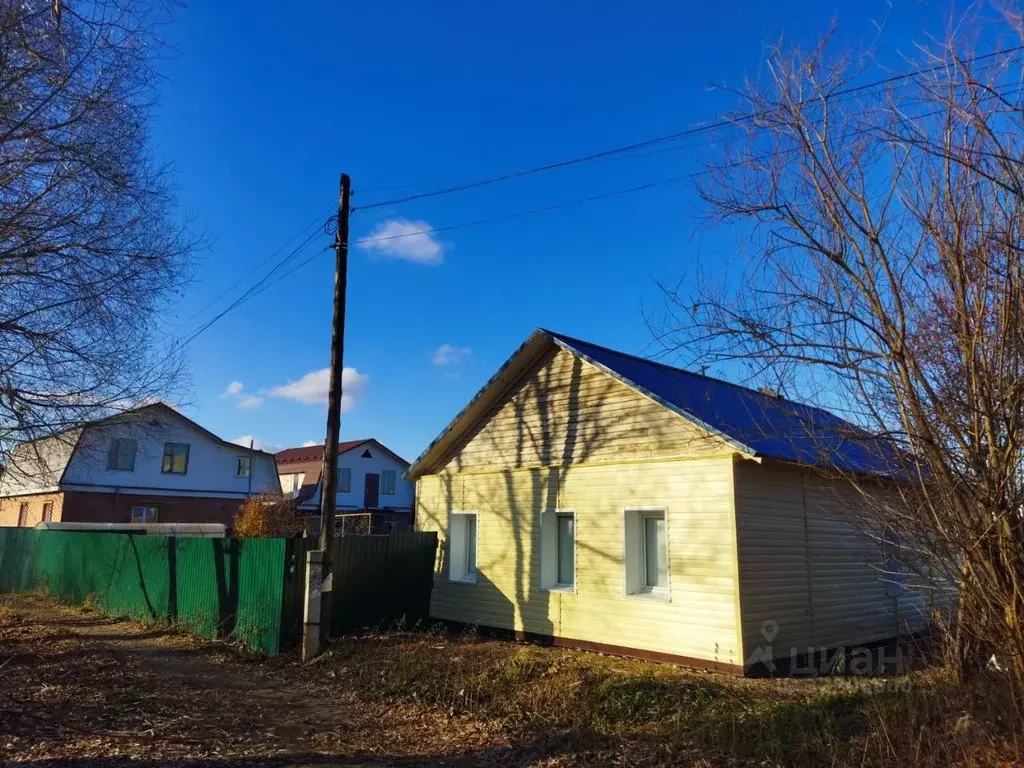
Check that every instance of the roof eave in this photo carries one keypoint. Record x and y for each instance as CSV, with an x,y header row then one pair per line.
x,y
524,356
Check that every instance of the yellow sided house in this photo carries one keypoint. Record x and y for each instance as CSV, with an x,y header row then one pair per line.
x,y
597,500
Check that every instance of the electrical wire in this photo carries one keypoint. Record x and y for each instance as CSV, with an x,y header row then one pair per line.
x,y
318,221
697,130
265,282
249,292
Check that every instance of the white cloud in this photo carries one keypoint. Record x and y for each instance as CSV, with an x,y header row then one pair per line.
x,y
248,402
245,401
259,445
404,239
312,388
449,354
310,444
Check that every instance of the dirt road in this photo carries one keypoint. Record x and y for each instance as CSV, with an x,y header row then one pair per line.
x,y
80,689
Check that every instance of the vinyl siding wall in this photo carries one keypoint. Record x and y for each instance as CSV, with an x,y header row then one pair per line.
x,y
699,618
805,569
572,437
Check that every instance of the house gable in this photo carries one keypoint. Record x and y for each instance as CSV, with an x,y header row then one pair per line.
x,y
355,460
564,411
212,462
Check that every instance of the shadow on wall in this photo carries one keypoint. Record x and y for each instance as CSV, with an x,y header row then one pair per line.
x,y
556,420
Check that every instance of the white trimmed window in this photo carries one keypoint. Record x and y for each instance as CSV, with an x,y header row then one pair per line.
x,y
462,546
646,552
558,549
344,480
144,515
387,482
121,454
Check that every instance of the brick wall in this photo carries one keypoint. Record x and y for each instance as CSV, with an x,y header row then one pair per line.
x,y
10,508
85,507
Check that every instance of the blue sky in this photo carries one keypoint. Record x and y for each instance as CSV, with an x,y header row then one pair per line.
x,y
263,105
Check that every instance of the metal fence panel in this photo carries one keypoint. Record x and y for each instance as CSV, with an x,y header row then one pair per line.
x,y
229,588
379,580
248,590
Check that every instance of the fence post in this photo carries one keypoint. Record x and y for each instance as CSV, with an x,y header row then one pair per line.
x,y
311,620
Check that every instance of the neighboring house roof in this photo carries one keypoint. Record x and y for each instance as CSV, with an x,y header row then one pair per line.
x,y
757,424
315,453
308,460
133,412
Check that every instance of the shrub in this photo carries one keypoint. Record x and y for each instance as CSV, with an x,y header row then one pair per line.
x,y
267,516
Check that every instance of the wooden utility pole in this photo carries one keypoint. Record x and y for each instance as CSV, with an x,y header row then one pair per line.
x,y
329,472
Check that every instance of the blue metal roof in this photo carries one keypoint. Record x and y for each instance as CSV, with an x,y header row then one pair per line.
x,y
753,421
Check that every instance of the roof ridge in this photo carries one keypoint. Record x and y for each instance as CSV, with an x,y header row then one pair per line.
x,y
695,374
660,364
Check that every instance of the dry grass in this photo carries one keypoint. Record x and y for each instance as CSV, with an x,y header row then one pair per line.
x,y
132,695
920,719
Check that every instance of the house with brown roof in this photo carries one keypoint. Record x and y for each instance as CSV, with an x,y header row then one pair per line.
x,y
373,495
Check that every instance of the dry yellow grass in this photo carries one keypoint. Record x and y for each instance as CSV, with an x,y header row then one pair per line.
x,y
923,718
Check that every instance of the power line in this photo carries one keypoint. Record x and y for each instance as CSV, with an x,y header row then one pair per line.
x,y
718,124
318,221
265,282
250,292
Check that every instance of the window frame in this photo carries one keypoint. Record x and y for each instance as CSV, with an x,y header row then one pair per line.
x,y
550,560
345,487
112,450
23,510
467,577
47,513
393,474
163,460
154,507
238,464
637,561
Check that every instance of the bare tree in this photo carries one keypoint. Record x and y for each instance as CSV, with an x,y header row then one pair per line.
x,y
880,275
91,246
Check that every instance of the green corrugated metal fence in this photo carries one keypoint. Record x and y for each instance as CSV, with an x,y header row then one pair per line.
x,y
214,587
250,590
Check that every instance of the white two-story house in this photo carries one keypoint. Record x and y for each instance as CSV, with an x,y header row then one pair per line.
x,y
372,491
148,465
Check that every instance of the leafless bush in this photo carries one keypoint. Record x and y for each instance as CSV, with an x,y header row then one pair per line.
x,y
880,275
91,246
267,516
